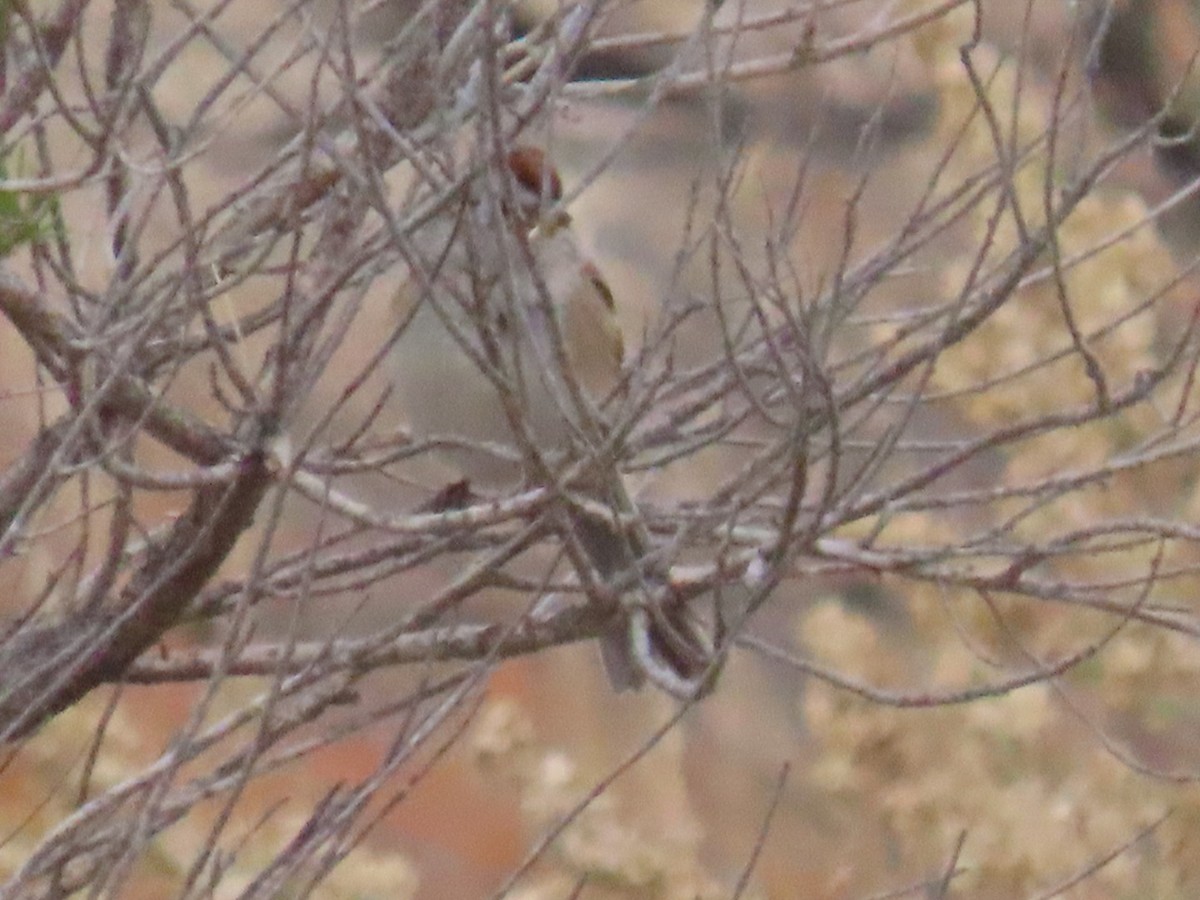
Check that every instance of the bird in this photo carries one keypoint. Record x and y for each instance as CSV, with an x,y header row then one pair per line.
x,y
511,341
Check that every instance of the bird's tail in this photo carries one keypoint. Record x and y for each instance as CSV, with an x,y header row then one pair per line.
x,y
676,645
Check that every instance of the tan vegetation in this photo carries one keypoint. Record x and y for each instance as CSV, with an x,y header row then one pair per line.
x,y
906,429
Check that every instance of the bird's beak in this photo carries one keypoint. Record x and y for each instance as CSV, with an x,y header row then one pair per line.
x,y
553,221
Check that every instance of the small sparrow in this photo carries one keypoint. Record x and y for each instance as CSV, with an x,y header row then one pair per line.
x,y
513,345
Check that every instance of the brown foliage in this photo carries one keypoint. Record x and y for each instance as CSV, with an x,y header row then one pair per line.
x,y
906,430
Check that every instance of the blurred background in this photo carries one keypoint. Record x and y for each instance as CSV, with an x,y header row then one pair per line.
x,y
855,798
